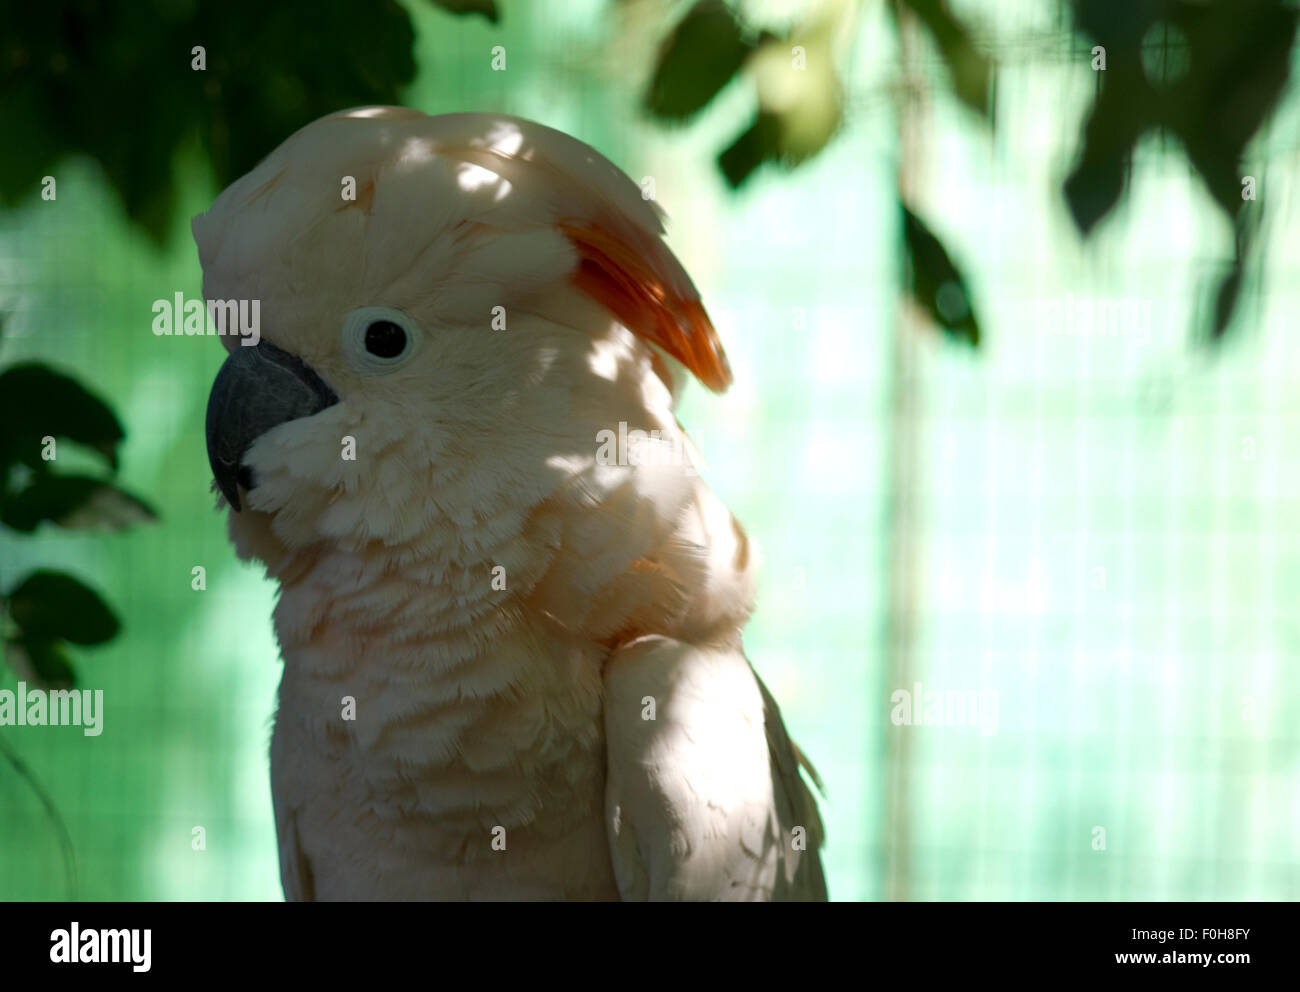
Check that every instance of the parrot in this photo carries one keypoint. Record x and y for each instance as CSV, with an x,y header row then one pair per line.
x,y
509,609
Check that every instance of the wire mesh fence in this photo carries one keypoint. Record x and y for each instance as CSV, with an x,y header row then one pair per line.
x,y
1027,609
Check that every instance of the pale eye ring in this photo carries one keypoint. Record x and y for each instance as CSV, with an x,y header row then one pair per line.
x,y
380,339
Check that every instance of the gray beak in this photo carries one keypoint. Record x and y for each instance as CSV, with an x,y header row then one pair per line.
x,y
256,389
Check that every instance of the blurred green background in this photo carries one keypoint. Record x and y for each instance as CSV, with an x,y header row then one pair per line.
x,y
1087,517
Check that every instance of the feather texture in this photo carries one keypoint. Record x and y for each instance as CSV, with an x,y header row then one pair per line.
x,y
473,605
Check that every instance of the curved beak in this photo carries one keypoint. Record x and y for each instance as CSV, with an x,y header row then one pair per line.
x,y
256,389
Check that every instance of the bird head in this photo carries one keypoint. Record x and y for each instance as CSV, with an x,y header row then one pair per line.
x,y
435,296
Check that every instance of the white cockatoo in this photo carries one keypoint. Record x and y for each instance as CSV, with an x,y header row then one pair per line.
x,y
510,611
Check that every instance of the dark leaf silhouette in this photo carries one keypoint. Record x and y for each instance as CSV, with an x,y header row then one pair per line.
x,y
37,402
51,605
936,283
703,53
1227,292
799,107
1229,65
1240,58
759,143
1225,300
970,71
41,661
487,8
59,54
74,502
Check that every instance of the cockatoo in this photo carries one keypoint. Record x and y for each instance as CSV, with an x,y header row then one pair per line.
x,y
512,649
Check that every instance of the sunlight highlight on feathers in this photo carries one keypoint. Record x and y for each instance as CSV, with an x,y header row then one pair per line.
x,y
493,597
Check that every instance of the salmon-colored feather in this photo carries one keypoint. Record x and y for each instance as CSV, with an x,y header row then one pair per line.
x,y
626,282
475,607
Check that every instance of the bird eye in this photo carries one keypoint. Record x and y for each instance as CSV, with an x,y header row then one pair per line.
x,y
380,339
384,339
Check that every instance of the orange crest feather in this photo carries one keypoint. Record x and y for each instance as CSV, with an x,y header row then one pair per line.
x,y
616,276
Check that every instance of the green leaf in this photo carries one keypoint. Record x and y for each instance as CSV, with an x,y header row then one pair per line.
x,y
487,8
970,71
699,58
1209,73
758,143
49,605
74,502
270,69
36,402
1225,300
42,662
1227,294
1240,59
936,283
1096,183
799,108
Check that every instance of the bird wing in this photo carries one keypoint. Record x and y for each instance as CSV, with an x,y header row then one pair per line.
x,y
703,799
296,874
295,869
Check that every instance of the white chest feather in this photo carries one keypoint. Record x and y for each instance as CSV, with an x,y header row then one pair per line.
x,y
431,764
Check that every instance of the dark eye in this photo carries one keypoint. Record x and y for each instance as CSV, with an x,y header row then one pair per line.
x,y
378,340
384,339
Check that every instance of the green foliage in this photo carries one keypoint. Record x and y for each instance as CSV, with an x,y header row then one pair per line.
x,y
699,58
487,8
793,71
42,661
800,108
36,401
1230,65
1210,74
41,408
51,605
115,81
935,282
74,502
970,70
758,143
1233,64
47,610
